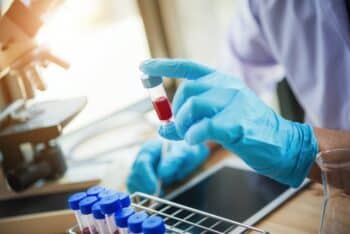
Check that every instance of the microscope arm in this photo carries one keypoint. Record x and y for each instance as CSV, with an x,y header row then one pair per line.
x,y
30,63
20,56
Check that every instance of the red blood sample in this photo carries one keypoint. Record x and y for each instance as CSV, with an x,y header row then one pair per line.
x,y
86,230
162,107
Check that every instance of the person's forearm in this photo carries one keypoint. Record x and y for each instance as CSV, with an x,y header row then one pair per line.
x,y
328,139
332,139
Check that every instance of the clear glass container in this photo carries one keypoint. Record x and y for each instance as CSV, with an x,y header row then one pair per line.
x,y
157,94
335,169
88,224
101,225
112,226
77,215
161,103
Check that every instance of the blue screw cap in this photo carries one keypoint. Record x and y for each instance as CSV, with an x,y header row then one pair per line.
x,y
86,204
107,193
121,218
153,225
151,81
95,190
110,204
135,221
97,212
74,200
124,199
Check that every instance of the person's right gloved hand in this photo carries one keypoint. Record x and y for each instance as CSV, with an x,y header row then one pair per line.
x,y
150,166
213,106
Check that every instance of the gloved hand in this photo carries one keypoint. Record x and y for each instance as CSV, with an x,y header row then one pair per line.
x,y
213,106
149,165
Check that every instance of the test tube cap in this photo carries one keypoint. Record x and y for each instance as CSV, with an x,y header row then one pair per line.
x,y
107,193
153,225
124,199
86,204
96,211
121,218
95,190
151,81
74,200
110,204
135,221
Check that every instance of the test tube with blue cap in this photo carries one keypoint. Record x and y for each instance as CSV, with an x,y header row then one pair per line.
x,y
88,224
161,104
153,225
124,199
160,101
73,202
121,218
95,190
100,222
107,193
110,206
135,222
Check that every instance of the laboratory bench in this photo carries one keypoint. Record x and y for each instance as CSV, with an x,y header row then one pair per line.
x,y
300,214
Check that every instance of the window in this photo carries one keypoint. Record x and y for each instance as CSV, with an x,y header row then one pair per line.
x,y
195,29
104,41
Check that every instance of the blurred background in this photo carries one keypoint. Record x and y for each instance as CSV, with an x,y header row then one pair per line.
x,y
100,44
105,41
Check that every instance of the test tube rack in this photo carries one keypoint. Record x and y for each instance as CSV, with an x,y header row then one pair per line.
x,y
185,220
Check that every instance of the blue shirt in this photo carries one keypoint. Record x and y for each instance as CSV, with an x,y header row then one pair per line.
x,y
306,41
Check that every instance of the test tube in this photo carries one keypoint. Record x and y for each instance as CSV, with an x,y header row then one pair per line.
x,y
87,217
95,190
153,225
73,202
107,193
124,199
135,222
161,104
109,206
160,101
121,218
100,222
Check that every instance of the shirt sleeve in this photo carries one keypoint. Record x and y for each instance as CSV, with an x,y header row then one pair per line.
x,y
247,54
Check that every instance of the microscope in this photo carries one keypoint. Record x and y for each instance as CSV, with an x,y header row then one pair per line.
x,y
29,129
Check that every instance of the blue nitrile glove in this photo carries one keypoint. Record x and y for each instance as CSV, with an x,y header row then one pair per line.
x,y
149,166
143,176
214,106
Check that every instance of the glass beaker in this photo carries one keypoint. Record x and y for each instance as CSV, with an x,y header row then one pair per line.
x,y
335,169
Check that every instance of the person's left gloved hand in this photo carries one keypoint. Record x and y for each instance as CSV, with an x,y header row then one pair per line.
x,y
143,175
212,106
176,164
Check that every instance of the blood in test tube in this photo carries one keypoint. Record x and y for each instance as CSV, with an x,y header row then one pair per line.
x,y
99,217
85,206
86,230
162,106
110,206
